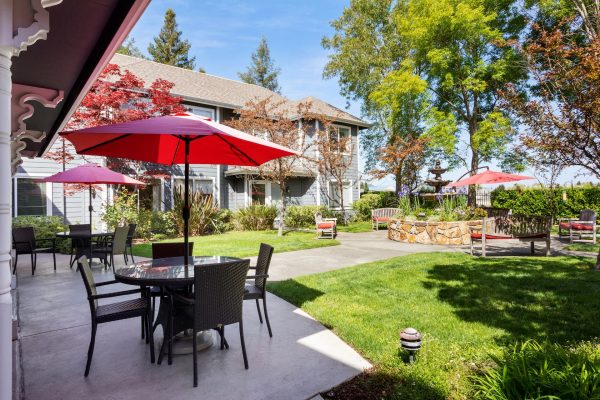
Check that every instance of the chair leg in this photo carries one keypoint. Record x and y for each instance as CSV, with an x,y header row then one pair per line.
x,y
143,329
54,259
532,248
150,334
266,314
32,264
258,309
112,262
131,252
222,335
241,324
195,357
125,258
90,349
15,264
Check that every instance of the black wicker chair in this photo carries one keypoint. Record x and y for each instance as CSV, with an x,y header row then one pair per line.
x,y
217,301
129,245
139,307
167,250
118,245
25,242
258,290
79,243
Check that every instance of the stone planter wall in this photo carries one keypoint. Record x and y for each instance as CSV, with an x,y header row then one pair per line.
x,y
430,232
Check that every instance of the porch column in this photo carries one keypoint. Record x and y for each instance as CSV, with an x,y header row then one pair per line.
x,y
5,212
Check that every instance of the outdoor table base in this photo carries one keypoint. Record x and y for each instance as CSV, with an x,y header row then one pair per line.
x,y
182,342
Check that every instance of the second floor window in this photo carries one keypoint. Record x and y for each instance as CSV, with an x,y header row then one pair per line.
x,y
340,137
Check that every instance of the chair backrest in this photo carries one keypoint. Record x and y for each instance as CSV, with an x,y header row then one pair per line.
x,y
23,238
80,228
522,225
119,242
587,215
262,265
219,293
166,250
88,280
318,217
131,232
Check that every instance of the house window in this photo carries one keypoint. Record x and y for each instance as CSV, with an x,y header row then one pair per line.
x,y
31,197
202,185
341,136
258,193
202,111
262,193
334,195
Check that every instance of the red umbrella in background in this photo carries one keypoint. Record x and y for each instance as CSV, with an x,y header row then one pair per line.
x,y
490,177
180,138
92,174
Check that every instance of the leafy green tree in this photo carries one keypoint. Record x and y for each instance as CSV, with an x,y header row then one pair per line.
x,y
130,49
456,48
262,70
169,48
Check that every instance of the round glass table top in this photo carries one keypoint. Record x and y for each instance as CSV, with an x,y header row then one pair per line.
x,y
82,234
166,270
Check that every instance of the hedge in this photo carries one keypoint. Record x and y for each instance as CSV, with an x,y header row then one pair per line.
x,y
542,202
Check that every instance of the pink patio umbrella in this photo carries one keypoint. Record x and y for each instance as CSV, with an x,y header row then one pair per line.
x,y
180,138
92,174
489,177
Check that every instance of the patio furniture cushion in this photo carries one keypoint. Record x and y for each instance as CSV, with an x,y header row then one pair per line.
x,y
576,226
380,219
325,225
489,237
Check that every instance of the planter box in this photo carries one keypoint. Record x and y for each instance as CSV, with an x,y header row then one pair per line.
x,y
432,232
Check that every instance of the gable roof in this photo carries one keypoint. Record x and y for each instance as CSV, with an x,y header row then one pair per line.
x,y
213,90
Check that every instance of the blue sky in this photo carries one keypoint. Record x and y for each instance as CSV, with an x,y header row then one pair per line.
x,y
225,33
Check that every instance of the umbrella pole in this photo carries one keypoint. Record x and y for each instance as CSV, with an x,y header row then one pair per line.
x,y
186,202
90,207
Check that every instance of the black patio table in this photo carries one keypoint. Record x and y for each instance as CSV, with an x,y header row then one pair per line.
x,y
167,272
84,237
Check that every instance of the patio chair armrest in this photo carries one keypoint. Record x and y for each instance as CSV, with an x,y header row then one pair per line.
x,y
106,283
567,219
257,276
251,267
178,297
114,294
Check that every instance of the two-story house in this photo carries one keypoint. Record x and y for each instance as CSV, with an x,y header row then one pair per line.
x,y
233,187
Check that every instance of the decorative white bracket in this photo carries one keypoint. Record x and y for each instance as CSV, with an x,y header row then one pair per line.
x,y
26,36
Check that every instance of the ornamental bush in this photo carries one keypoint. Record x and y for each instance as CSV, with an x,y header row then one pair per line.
x,y
543,202
304,216
533,370
255,218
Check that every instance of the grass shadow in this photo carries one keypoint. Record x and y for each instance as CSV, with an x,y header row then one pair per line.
x,y
293,291
558,299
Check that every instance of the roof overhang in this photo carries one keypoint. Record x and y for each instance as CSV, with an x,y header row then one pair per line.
x,y
51,77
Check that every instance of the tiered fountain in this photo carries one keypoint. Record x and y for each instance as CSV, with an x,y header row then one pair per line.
x,y
437,182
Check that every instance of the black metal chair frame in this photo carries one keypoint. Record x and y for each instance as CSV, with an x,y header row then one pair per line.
x,y
29,246
120,310
258,290
79,242
107,249
217,302
129,244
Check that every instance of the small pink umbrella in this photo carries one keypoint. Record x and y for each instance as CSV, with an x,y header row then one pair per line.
x,y
92,174
489,177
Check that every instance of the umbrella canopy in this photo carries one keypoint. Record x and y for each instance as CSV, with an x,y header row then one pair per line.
x,y
180,138
489,177
92,174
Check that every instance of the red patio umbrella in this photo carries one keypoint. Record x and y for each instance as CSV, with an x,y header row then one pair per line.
x,y
92,174
180,138
489,177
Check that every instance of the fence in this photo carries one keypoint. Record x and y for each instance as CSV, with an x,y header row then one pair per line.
x,y
483,197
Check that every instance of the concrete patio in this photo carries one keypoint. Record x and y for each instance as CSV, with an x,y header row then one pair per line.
x,y
302,359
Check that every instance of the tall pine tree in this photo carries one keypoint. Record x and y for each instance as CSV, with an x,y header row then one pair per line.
x,y
168,47
262,71
130,49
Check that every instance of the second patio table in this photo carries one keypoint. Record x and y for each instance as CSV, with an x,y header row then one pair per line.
x,y
169,272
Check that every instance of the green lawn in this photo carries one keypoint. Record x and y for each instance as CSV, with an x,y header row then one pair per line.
x,y
467,308
244,244
583,247
356,227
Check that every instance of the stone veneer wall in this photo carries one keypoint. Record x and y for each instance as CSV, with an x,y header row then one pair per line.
x,y
432,232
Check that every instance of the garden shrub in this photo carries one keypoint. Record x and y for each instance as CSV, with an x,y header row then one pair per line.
x,y
365,204
533,370
540,201
304,216
255,218
203,213
44,227
123,211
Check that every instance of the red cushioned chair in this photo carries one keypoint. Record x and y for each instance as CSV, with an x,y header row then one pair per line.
x,y
326,227
584,225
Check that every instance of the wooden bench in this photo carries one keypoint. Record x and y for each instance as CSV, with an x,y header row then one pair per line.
x,y
382,216
521,228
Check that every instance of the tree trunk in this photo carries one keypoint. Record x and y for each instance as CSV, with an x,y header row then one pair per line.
x,y
341,189
399,182
472,194
281,210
